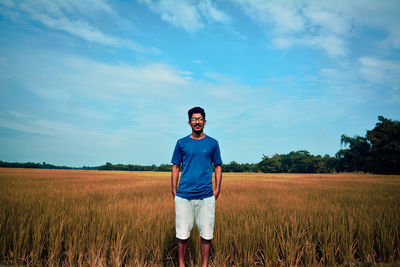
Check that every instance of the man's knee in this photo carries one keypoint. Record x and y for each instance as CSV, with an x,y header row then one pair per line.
x,y
206,241
182,241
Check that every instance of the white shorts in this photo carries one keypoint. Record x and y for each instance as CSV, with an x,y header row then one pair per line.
x,y
200,210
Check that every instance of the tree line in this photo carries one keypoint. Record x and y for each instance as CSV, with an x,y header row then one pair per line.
x,y
31,165
294,162
131,167
376,152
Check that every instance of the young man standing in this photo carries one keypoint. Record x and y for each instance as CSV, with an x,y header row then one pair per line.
x,y
195,197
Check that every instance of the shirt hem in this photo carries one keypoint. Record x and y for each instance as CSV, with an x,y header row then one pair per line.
x,y
194,197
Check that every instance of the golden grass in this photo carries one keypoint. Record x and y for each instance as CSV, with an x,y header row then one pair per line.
x,y
106,218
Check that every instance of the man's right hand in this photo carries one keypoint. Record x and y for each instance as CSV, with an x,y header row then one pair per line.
x,y
174,179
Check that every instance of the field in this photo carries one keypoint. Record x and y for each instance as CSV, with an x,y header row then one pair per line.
x,y
105,218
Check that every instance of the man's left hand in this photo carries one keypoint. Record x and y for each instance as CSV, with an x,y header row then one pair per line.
x,y
216,194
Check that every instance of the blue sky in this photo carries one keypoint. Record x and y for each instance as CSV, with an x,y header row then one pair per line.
x,y
90,82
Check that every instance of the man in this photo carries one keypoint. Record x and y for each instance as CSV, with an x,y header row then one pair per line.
x,y
195,198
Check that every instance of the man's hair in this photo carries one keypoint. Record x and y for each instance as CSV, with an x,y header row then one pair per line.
x,y
196,110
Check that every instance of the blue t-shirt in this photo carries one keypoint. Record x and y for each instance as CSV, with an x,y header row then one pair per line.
x,y
197,157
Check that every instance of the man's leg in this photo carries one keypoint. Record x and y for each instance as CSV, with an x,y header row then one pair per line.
x,y
205,251
182,244
205,216
184,217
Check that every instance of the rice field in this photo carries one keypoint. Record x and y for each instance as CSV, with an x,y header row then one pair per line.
x,y
107,218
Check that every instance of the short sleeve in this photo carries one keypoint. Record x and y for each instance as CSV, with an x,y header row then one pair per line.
x,y
177,155
217,155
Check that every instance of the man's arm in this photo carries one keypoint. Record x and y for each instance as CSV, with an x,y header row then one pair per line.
x,y
218,180
174,178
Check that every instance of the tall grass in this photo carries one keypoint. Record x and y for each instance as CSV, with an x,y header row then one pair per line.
x,y
104,218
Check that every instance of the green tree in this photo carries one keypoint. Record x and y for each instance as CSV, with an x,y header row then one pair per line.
x,y
270,165
326,164
298,162
107,167
357,156
385,150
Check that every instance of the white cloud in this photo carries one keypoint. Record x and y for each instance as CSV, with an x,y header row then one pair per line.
x,y
78,18
326,25
327,17
180,14
380,71
190,16
283,16
366,80
115,82
209,11
64,78
291,23
57,141
332,44
27,123
282,43
8,3
342,82
379,15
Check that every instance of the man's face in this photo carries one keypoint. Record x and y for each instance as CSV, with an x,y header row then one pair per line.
x,y
197,122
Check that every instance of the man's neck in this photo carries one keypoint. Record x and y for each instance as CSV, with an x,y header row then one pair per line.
x,y
195,135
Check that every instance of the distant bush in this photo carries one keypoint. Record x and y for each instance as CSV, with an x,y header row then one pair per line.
x,y
31,165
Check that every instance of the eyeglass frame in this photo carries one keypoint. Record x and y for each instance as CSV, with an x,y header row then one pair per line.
x,y
200,119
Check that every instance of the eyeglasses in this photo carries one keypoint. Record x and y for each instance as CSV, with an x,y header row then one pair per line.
x,y
197,119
